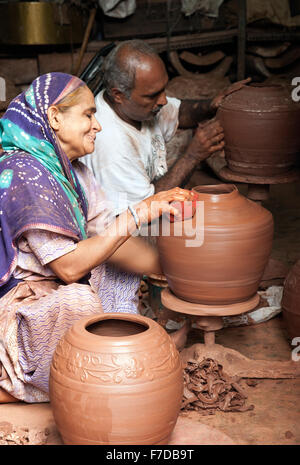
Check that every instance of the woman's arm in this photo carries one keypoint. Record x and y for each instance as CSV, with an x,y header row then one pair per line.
x,y
137,256
91,252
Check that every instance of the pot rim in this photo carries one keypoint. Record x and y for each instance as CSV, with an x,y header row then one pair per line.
x,y
210,191
249,105
80,326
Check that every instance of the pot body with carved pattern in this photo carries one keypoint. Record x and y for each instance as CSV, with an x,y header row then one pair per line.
x,y
116,379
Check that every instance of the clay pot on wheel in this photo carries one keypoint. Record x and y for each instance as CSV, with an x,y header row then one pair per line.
x,y
116,379
237,239
261,129
291,301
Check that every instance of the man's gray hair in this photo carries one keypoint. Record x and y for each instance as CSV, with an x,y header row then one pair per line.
x,y
120,65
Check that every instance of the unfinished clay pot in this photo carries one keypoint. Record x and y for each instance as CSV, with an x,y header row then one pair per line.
x,y
227,266
116,379
291,301
261,128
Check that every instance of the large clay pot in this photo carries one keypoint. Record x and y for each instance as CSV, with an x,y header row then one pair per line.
x,y
228,266
116,379
261,128
291,301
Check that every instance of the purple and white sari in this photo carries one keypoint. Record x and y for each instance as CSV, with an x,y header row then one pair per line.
x,y
47,205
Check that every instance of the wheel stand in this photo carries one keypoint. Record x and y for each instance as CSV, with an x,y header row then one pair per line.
x,y
209,319
259,186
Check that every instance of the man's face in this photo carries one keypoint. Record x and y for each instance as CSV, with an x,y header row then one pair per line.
x,y
148,95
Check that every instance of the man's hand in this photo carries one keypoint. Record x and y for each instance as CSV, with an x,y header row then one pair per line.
x,y
207,140
216,102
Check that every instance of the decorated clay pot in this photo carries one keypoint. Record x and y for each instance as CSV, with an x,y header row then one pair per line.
x,y
261,129
291,301
220,254
116,379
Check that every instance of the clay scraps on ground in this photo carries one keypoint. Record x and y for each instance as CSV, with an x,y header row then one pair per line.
x,y
208,389
15,435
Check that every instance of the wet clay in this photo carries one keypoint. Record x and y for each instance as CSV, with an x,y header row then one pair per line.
x,y
291,301
208,389
227,267
116,379
261,128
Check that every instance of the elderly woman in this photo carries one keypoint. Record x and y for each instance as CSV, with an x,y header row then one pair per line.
x,y
60,256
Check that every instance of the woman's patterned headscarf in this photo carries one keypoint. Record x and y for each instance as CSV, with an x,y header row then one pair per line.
x,y
38,187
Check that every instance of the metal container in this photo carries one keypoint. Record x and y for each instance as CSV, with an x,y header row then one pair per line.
x,y
40,23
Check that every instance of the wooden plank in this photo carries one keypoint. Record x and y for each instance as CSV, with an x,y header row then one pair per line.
x,y
287,58
241,59
179,41
269,51
151,19
19,70
257,35
62,62
11,91
202,60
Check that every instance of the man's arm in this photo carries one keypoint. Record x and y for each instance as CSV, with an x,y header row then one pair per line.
x,y
193,111
207,139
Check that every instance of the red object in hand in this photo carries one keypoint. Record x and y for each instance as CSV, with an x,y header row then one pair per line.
x,y
187,208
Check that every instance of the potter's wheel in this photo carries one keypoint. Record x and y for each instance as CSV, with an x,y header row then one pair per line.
x,y
259,186
209,318
182,306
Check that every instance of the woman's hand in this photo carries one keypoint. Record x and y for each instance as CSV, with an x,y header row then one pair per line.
x,y
95,250
153,207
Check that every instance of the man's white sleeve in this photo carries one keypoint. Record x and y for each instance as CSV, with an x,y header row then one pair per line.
x,y
168,118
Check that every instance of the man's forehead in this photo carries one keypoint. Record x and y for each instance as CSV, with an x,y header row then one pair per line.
x,y
152,74
148,63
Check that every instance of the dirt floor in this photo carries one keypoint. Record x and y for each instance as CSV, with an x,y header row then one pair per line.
x,y
275,418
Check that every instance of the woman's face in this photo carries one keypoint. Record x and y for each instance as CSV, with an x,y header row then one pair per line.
x,y
76,128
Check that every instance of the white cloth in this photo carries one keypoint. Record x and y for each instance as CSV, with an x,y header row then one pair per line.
x,y
118,8
205,7
126,160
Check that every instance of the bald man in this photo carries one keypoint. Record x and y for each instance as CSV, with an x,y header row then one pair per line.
x,y
138,119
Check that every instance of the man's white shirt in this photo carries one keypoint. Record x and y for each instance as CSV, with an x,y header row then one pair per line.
x,y
126,160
